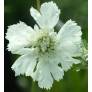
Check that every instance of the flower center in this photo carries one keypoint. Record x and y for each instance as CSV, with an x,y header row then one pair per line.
x,y
44,42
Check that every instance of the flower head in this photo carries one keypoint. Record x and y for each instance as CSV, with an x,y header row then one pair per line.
x,y
45,54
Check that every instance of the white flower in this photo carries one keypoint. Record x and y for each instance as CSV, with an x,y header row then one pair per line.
x,y
45,54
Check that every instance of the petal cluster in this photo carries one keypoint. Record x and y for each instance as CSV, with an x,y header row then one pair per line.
x,y
44,53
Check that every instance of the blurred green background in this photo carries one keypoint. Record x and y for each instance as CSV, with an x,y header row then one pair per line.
x,y
19,10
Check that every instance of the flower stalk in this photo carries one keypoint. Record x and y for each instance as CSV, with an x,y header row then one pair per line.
x,y
38,4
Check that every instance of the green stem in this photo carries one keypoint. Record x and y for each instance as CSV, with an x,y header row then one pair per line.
x,y
38,4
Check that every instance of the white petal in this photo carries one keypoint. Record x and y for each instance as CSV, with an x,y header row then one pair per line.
x,y
19,36
48,16
44,77
24,65
35,14
46,70
52,60
70,31
26,51
72,49
70,38
50,13
57,72
67,61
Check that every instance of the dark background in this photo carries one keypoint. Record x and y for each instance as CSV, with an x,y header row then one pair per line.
x,y
18,10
